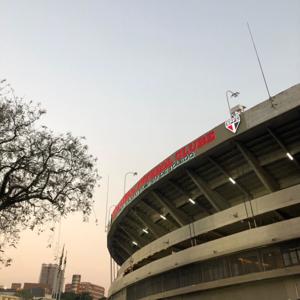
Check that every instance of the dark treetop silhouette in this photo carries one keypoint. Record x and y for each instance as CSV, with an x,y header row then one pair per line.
x,y
43,176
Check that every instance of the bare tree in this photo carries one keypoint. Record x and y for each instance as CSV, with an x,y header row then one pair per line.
x,y
42,175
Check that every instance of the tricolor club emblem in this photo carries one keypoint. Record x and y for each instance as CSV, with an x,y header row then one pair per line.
x,y
233,123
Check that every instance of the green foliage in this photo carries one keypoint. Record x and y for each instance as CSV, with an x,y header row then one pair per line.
x,y
24,294
73,296
68,296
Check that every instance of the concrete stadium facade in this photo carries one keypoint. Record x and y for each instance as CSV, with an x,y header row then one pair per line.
x,y
219,218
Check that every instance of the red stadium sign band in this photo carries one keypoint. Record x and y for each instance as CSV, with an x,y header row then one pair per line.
x,y
180,157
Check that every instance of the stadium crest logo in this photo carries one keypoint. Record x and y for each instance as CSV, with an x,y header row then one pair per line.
x,y
233,123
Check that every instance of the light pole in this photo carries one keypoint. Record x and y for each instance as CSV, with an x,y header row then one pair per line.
x,y
125,176
109,220
232,94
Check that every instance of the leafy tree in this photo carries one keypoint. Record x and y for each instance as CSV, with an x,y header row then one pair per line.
x,y
43,176
68,296
24,294
84,296
73,296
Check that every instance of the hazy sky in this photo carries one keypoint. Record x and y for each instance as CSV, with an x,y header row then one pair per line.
x,y
139,79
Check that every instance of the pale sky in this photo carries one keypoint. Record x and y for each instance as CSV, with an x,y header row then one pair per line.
x,y
139,79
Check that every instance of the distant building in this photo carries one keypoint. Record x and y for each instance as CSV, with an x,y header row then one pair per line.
x,y
4,296
68,288
76,278
77,287
37,291
73,287
48,275
94,290
16,286
7,292
51,278
32,287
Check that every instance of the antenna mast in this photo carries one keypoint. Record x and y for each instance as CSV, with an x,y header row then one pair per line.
x,y
260,65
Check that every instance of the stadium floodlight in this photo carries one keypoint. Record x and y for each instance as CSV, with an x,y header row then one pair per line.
x,y
134,243
289,155
232,95
163,217
232,180
192,201
145,230
131,173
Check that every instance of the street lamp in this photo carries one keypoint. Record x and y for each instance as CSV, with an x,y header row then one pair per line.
x,y
232,94
125,176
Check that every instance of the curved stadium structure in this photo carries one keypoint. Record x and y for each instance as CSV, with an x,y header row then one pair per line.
x,y
219,218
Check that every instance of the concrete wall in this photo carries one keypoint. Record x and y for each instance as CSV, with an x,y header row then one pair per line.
x,y
274,289
258,236
252,238
270,202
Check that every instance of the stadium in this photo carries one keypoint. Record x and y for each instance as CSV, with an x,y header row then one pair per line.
x,y
220,217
